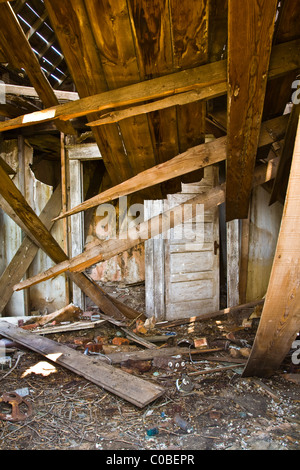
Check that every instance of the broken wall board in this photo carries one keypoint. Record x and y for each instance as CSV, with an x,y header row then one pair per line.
x,y
280,319
24,256
263,234
133,389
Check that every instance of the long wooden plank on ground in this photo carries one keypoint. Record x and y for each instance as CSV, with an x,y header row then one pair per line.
x,y
13,40
104,250
280,319
210,78
193,159
133,389
50,246
250,33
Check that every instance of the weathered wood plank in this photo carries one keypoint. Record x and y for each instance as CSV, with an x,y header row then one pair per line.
x,y
13,40
103,250
189,22
233,262
114,40
211,78
73,30
177,100
191,160
280,319
133,389
252,23
26,214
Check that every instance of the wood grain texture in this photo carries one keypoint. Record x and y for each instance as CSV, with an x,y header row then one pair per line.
x,y
250,23
280,319
111,28
26,252
74,33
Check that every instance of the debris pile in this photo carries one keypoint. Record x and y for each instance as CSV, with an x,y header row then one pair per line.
x,y
191,392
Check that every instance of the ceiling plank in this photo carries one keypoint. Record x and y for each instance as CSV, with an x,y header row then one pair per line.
x,y
106,249
192,160
74,33
110,23
250,34
151,26
189,21
280,319
17,48
210,78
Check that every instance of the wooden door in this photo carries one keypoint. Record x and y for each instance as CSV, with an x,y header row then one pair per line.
x,y
181,273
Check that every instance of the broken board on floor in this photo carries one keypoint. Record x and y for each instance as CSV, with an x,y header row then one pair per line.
x,y
133,389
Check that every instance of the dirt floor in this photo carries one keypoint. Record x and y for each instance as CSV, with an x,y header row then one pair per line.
x,y
216,411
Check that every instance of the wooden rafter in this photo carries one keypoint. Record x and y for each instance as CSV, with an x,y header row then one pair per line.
x,y
250,33
104,250
210,78
280,319
17,48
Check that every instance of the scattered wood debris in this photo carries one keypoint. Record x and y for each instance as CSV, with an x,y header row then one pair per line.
x,y
185,391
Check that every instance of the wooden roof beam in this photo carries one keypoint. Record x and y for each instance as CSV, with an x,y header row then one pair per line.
x,y
103,250
14,42
250,34
210,79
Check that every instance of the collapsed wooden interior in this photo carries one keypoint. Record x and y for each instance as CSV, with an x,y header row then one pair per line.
x,y
145,83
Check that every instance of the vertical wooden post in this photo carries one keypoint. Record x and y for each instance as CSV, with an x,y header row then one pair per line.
x,y
64,195
245,231
22,187
233,262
